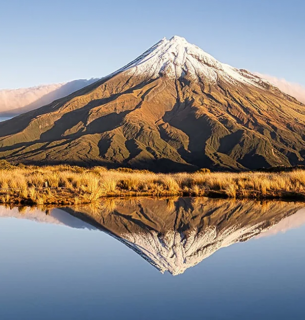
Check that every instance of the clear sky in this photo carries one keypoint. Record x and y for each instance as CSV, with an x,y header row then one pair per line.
x,y
50,41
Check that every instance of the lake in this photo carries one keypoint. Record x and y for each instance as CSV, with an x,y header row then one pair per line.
x,y
179,258
4,118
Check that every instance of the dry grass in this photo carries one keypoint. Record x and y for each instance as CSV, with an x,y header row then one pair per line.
x,y
73,185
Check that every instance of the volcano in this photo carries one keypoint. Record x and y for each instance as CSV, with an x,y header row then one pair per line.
x,y
173,108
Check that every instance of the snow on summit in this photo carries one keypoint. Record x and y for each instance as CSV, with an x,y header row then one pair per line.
x,y
177,58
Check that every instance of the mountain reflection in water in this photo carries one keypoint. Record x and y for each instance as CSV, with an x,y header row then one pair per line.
x,y
176,234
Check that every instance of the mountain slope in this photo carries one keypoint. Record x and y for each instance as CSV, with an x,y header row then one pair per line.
x,y
173,108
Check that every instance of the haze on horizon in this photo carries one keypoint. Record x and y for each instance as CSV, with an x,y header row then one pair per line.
x,y
55,42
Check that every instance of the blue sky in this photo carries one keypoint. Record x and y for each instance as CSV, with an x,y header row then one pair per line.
x,y
60,40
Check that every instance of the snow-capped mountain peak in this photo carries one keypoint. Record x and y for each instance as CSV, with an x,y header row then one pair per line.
x,y
177,58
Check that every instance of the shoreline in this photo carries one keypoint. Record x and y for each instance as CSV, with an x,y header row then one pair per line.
x,y
16,200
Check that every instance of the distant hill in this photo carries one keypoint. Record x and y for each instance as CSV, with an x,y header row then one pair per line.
x,y
173,108
17,101
294,89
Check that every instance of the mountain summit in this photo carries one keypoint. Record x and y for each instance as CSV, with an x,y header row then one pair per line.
x,y
177,58
175,107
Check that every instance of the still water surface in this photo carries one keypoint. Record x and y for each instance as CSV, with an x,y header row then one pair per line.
x,y
154,259
4,118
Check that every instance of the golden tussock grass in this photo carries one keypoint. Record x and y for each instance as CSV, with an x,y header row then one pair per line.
x,y
75,185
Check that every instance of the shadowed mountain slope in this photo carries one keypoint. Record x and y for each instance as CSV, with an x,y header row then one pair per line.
x,y
173,108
